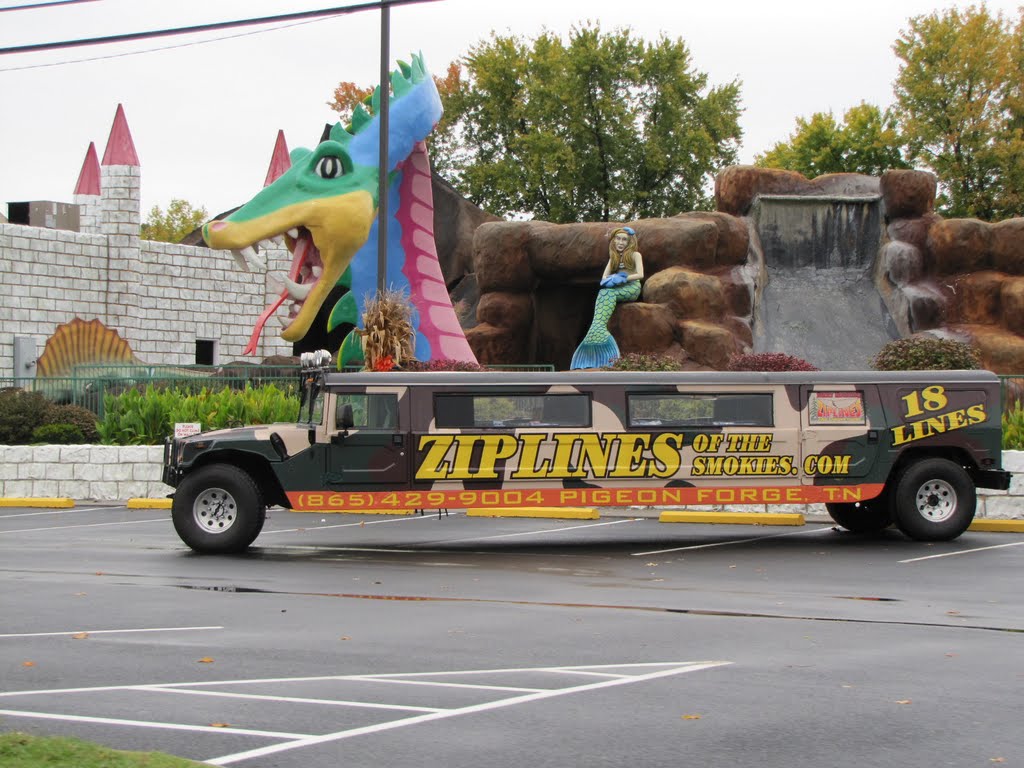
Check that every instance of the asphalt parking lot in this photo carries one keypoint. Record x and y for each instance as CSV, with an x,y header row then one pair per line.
x,y
398,641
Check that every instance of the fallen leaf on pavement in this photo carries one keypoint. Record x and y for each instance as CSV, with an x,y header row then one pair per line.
x,y
205,660
690,717
80,636
28,663
903,701
220,725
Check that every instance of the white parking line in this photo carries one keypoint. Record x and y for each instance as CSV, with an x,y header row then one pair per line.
x,y
676,668
536,532
376,679
732,541
56,512
962,552
147,724
108,632
287,699
619,674
85,525
404,519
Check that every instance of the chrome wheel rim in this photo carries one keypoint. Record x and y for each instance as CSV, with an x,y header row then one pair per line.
x,y
215,510
936,501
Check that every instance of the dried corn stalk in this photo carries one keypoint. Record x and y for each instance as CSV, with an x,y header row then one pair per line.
x,y
387,334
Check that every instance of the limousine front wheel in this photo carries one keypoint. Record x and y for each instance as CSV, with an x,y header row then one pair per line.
x,y
218,509
935,500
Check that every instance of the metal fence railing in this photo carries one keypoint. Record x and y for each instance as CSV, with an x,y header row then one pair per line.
x,y
1011,391
90,383
88,392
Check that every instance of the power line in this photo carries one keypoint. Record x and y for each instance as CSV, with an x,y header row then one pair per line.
x,y
44,5
337,11
161,48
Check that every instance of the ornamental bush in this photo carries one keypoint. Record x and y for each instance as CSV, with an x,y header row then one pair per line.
x,y
78,417
20,413
638,361
58,434
769,362
434,366
926,353
146,417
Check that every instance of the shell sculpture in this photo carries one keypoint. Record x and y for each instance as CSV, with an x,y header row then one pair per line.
x,y
79,342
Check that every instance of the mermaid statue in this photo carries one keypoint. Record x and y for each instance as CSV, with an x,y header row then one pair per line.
x,y
620,282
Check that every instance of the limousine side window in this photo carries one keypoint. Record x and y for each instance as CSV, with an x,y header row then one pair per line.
x,y
471,411
373,411
688,410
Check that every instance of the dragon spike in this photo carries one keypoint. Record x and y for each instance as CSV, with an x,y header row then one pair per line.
x,y
340,135
360,118
406,69
399,85
419,67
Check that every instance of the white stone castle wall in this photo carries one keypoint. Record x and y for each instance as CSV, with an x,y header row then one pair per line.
x,y
160,297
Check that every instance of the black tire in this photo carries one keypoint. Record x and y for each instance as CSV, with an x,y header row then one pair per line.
x,y
218,509
935,500
869,516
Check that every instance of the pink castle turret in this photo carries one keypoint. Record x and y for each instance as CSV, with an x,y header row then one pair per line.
x,y
120,182
279,161
87,193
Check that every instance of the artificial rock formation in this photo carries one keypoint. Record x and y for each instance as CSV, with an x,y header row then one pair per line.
x,y
956,278
533,284
538,281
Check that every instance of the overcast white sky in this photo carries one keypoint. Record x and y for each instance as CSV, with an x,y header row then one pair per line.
x,y
204,117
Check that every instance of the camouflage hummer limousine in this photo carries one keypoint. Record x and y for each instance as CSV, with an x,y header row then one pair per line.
x,y
877,449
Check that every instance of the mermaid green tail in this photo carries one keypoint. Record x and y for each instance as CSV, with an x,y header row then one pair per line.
x,y
598,347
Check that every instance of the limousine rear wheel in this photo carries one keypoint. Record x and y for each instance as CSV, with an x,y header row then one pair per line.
x,y
864,517
935,500
218,509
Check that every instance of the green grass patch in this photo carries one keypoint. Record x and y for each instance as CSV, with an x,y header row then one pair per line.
x,y
20,750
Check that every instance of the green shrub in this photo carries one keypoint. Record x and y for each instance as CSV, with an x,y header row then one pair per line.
x,y
925,353
20,413
639,361
58,434
1013,430
769,362
432,366
137,417
77,416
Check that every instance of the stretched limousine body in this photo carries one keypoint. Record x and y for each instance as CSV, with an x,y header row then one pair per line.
x,y
906,448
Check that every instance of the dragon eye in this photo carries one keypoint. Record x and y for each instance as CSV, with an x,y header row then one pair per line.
x,y
330,167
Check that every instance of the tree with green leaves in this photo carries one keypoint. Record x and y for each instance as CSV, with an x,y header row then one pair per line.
x,y
174,224
959,100
603,126
597,127
866,141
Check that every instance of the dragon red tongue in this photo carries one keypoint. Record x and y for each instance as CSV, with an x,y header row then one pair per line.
x,y
302,246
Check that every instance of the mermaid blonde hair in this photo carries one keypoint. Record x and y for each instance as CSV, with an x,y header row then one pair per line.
x,y
627,254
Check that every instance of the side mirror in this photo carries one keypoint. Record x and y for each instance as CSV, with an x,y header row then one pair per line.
x,y
345,419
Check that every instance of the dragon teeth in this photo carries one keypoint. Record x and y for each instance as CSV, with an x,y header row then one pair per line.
x,y
293,233
298,291
240,259
317,271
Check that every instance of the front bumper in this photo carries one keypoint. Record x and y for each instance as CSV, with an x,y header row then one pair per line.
x,y
171,475
997,479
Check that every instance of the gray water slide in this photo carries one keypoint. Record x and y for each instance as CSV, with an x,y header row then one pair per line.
x,y
819,301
